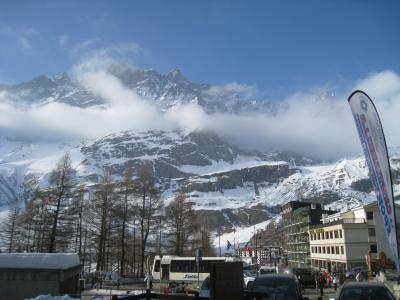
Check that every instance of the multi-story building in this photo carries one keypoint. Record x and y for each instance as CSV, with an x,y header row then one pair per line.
x,y
344,239
297,218
263,255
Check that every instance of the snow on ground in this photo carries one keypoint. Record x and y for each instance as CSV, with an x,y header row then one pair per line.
x,y
223,166
20,158
242,235
49,297
308,181
310,170
108,292
286,190
229,198
3,215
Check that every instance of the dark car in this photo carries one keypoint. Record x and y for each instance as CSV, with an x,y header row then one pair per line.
x,y
277,287
365,291
351,274
305,276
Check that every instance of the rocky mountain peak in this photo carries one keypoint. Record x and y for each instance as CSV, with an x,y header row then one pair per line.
x,y
176,74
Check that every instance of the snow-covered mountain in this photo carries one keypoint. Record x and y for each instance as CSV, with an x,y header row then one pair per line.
x,y
228,185
165,90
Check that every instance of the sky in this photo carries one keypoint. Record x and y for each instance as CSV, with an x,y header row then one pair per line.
x,y
289,52
280,47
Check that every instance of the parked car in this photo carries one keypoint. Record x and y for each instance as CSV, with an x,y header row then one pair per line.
x,y
352,273
364,291
266,270
276,286
248,277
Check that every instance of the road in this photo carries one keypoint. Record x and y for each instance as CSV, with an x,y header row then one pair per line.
x,y
313,294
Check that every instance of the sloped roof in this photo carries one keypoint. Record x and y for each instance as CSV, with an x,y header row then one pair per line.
x,y
53,261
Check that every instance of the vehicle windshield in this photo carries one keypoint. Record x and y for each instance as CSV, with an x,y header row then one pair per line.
x,y
249,273
365,293
267,271
275,288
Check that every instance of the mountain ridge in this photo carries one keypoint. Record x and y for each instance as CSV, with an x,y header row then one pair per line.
x,y
222,180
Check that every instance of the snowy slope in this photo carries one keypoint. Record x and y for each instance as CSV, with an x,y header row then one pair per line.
x,y
214,178
239,236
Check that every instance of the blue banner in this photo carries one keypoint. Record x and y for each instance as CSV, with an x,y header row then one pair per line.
x,y
372,138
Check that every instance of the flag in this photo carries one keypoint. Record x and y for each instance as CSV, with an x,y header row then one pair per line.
x,y
373,142
228,245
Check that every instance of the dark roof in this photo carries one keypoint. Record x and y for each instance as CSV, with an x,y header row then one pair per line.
x,y
54,261
276,277
363,284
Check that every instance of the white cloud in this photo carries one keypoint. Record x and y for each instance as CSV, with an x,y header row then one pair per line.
x,y
316,124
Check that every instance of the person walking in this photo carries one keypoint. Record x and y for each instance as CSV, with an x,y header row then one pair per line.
x,y
300,281
335,281
149,281
321,284
360,276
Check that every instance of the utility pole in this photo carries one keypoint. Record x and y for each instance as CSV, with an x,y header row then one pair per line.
x,y
256,249
159,240
255,237
234,240
219,240
134,247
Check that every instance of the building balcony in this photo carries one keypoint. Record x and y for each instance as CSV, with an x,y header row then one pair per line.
x,y
298,233
341,221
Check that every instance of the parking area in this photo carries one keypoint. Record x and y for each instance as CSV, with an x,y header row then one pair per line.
x,y
313,294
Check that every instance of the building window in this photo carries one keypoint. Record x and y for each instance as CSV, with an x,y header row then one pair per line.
x,y
333,250
322,236
326,235
371,231
319,249
373,248
328,250
340,233
336,234
331,234
337,250
323,249
342,249
370,215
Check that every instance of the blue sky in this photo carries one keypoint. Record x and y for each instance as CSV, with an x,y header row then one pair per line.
x,y
278,46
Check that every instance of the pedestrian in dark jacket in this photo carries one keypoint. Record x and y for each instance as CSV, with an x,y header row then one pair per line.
x,y
321,284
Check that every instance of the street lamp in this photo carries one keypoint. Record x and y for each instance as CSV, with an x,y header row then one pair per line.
x,y
162,214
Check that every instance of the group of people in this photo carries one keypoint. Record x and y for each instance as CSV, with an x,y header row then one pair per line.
x,y
325,280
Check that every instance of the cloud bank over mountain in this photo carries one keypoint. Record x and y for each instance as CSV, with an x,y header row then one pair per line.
x,y
315,124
